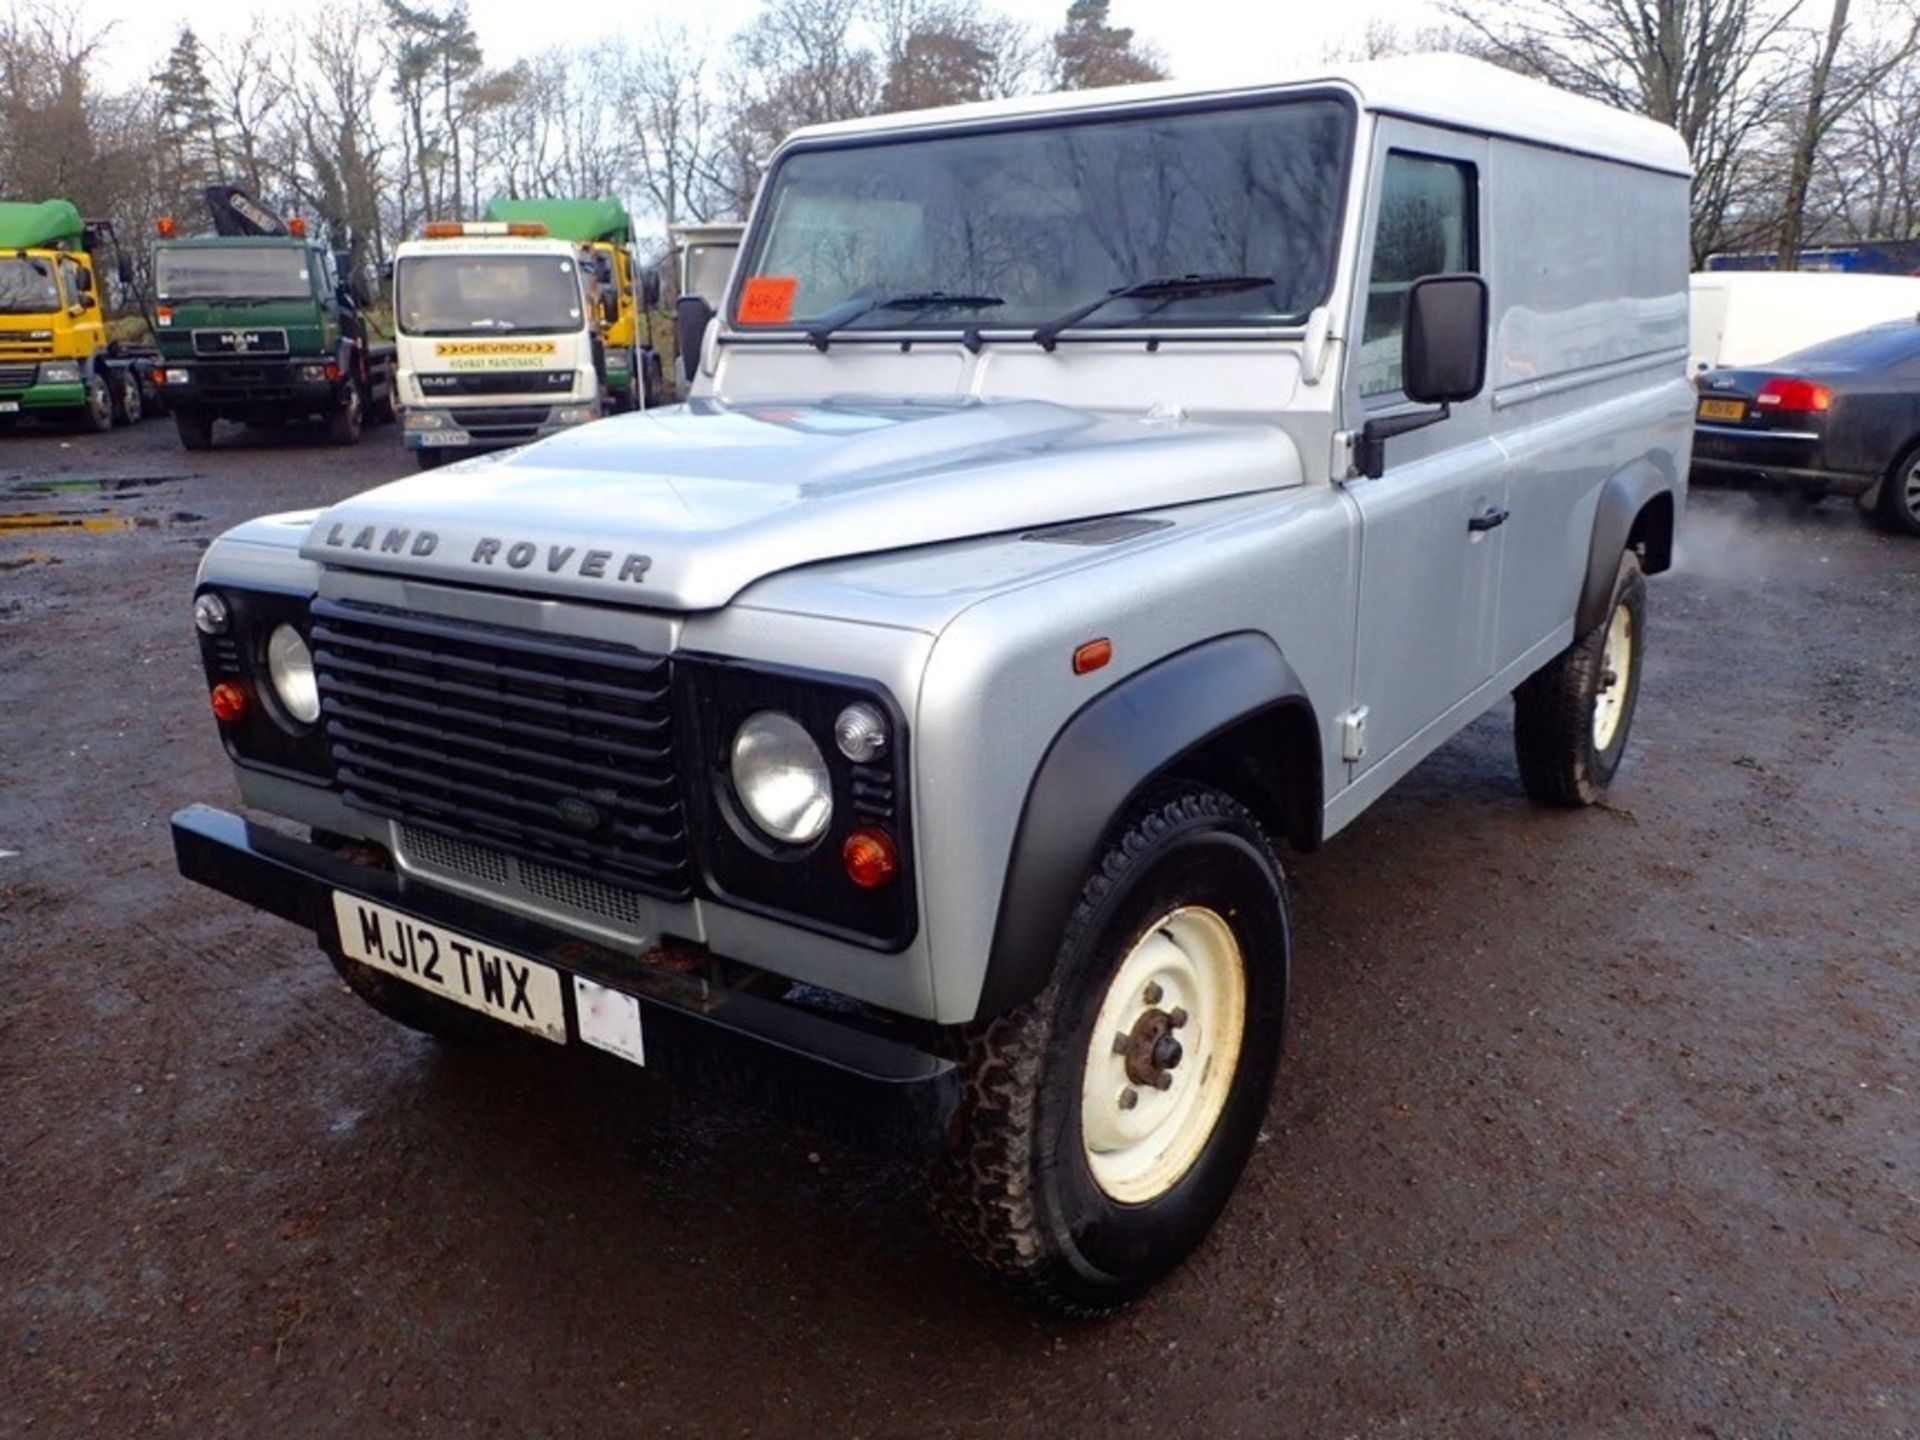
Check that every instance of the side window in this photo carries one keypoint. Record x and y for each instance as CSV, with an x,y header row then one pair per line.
x,y
70,278
1426,227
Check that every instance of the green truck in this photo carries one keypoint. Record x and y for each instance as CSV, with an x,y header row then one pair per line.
x,y
632,372
260,323
55,359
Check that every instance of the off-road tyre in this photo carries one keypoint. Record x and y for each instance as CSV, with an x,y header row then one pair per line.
x,y
1017,1192
413,1007
1898,508
195,428
127,406
348,416
1562,762
95,417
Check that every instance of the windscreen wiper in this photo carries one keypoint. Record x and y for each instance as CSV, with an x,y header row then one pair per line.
x,y
821,331
1162,287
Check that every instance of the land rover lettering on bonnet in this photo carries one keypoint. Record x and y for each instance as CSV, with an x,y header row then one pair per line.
x,y
1084,502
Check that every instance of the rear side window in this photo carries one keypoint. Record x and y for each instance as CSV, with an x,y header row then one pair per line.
x,y
1425,228
1864,349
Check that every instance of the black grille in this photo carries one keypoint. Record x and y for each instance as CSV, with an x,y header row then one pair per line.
x,y
496,382
548,747
16,377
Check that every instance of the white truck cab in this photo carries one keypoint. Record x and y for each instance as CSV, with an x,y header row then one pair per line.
x,y
498,340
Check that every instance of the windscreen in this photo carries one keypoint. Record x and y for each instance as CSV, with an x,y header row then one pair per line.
x,y
708,268
456,294
232,272
1046,218
27,286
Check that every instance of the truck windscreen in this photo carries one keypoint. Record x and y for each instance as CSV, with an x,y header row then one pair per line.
x,y
464,294
232,272
27,286
1048,217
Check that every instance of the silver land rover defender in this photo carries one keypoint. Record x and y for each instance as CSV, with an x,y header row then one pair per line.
x,y
1082,499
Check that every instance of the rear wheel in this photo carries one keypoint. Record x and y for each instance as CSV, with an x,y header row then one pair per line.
x,y
195,427
1109,1118
1571,717
1899,505
127,406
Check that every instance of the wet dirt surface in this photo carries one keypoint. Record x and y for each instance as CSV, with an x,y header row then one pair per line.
x,y
1595,1124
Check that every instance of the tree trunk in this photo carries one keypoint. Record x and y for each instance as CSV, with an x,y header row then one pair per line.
x,y
1793,212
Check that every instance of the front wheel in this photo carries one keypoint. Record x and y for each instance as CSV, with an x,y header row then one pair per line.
x,y
1898,508
1108,1119
345,423
195,428
1572,716
96,416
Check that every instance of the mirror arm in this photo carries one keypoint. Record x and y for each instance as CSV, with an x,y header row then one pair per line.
x,y
1370,451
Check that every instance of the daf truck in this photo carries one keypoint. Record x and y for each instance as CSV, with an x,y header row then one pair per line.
x,y
55,359
260,323
498,338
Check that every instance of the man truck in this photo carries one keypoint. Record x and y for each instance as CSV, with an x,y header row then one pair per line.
x,y
625,290
260,323
55,359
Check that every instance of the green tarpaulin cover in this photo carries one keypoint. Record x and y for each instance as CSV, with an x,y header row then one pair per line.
x,y
575,220
34,227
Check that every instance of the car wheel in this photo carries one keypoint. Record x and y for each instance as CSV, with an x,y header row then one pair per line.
x,y
127,407
96,416
1107,1120
195,427
1571,717
1898,508
344,424
412,1007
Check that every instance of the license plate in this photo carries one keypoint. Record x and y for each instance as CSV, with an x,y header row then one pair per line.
x,y
436,439
456,967
1723,409
9,407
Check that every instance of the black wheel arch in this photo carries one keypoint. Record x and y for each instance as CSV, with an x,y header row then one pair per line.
x,y
1637,511
1229,712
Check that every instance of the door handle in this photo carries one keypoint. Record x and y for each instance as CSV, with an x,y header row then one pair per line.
x,y
1490,519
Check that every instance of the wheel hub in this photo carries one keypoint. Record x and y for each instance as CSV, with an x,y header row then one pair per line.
x,y
1616,665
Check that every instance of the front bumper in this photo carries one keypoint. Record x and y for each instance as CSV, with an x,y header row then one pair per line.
x,y
485,427
240,387
817,1069
43,397
1790,459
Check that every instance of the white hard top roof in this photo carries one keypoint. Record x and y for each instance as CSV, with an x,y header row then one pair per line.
x,y
1450,90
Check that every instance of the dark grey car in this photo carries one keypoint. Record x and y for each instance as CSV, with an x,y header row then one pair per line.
x,y
1838,418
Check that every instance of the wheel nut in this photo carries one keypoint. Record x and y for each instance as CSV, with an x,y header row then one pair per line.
x,y
1177,1019
1129,1098
1153,994
1163,1081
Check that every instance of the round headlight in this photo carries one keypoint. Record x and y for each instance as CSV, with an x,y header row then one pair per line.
x,y
781,778
290,668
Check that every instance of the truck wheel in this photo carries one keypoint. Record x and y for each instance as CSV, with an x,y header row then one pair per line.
x,y
96,415
344,424
1898,508
195,427
1107,1120
382,409
412,1007
1571,717
127,407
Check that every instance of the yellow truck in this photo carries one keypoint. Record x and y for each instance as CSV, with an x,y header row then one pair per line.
x,y
55,358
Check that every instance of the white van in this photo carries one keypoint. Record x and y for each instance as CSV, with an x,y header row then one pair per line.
x,y
1753,317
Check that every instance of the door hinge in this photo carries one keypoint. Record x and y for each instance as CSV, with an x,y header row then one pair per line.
x,y
1353,734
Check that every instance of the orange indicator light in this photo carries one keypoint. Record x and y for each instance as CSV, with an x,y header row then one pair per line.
x,y
870,858
229,703
1092,656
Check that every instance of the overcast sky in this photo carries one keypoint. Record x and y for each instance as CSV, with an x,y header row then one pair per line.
x,y
1203,40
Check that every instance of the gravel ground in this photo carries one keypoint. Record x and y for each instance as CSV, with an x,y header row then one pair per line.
x,y
1595,1124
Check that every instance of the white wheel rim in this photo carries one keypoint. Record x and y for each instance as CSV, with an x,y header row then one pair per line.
x,y
1187,961
1616,670
1911,493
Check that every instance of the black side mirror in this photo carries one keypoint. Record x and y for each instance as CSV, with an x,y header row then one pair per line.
x,y
83,280
123,267
691,318
649,289
1443,356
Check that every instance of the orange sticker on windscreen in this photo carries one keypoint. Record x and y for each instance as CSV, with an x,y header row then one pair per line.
x,y
768,300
